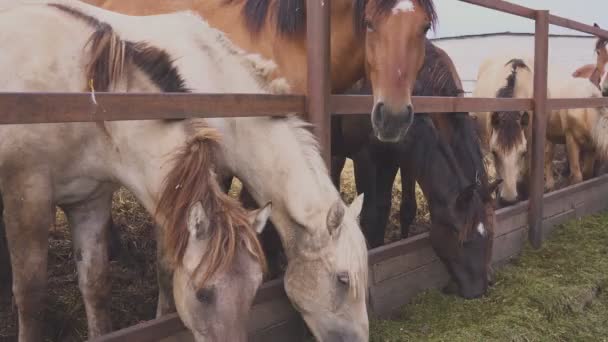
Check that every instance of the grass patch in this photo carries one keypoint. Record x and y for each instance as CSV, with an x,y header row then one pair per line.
x,y
555,294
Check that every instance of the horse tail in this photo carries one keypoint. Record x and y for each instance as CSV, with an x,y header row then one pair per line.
x,y
599,134
108,53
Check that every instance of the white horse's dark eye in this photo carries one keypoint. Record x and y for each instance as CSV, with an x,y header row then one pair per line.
x,y
344,278
205,295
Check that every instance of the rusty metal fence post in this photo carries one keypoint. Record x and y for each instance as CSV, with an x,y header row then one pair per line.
x,y
539,128
318,87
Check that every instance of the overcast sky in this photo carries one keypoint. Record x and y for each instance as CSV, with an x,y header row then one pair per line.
x,y
459,18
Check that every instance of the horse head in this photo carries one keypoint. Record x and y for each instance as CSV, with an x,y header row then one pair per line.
x,y
327,282
395,33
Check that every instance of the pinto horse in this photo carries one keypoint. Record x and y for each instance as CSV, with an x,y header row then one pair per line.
x,y
583,130
380,39
505,134
326,276
448,163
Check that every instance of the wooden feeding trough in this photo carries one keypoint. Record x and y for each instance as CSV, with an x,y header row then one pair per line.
x,y
398,271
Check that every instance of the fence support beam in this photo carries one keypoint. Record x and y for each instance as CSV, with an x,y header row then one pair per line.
x,y
318,87
539,128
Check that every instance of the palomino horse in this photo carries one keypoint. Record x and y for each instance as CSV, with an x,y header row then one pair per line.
x,y
209,240
582,130
449,165
380,39
326,277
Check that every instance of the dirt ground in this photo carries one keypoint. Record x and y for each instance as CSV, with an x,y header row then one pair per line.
x,y
133,274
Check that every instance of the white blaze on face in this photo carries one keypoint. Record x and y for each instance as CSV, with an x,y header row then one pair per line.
x,y
481,229
403,6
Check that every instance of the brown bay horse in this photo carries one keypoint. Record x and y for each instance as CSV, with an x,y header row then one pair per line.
x,y
445,158
382,40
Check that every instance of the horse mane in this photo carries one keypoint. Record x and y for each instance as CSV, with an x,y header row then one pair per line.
x,y
383,7
290,15
192,179
600,44
509,133
352,236
436,76
110,55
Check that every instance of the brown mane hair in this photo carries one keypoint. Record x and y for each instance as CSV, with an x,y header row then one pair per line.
x,y
509,128
192,179
290,15
110,54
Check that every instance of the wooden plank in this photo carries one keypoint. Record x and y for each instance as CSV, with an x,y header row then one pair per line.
x,y
318,77
575,25
270,290
398,248
27,108
402,264
182,336
588,102
267,314
153,330
392,294
510,223
362,104
504,6
293,330
539,128
550,223
508,245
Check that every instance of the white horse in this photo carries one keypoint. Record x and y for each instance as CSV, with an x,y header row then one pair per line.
x,y
276,159
506,133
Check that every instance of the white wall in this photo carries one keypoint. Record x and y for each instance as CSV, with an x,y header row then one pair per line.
x,y
565,53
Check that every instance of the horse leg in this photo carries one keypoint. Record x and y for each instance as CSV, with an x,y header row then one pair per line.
x,y
408,208
337,165
588,159
28,217
90,222
164,278
573,157
549,179
386,171
365,175
113,240
5,262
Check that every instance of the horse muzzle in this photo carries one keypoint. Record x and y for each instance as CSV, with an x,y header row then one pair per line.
x,y
391,126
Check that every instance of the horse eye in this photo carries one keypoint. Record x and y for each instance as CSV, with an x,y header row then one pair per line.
x,y
369,26
205,295
344,278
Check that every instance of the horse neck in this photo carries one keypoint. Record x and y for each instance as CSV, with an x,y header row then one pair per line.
x,y
276,161
141,151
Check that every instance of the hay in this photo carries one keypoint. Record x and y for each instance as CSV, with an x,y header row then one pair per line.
x,y
555,294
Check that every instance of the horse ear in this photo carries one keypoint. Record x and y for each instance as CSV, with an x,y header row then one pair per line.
x,y
198,222
494,185
335,216
357,205
525,119
495,119
259,217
